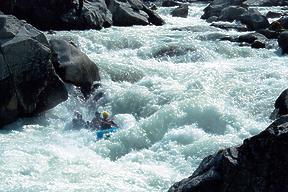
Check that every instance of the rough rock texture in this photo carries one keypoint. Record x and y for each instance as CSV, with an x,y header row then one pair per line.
x,y
283,22
215,8
251,37
281,105
171,3
231,13
60,14
283,41
254,20
132,12
73,66
26,72
259,164
181,11
270,34
256,40
65,14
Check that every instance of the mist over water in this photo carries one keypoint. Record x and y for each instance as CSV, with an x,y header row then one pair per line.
x,y
178,93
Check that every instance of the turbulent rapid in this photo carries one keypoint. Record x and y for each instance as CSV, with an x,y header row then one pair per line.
x,y
178,94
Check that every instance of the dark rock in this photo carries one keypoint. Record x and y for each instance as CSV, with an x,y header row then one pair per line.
x,y
283,41
254,20
229,38
26,72
172,51
73,66
133,12
126,15
257,44
171,3
94,15
270,34
65,15
154,18
280,105
276,26
272,14
284,22
212,19
251,37
231,13
266,2
228,26
61,14
215,8
181,11
259,164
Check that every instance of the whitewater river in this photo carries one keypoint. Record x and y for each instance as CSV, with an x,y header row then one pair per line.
x,y
177,92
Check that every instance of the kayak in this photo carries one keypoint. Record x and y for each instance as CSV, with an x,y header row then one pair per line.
x,y
106,133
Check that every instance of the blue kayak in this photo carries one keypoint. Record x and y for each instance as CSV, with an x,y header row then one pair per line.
x,y
106,133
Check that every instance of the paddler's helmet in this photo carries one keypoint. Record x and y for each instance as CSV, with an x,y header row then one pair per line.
x,y
105,114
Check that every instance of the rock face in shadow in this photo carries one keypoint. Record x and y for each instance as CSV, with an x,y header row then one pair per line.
x,y
259,164
73,66
283,41
280,105
60,14
66,15
26,72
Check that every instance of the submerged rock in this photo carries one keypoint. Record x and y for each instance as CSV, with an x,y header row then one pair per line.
x,y
259,164
28,82
181,11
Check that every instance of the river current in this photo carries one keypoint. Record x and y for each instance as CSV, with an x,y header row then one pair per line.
x,y
178,94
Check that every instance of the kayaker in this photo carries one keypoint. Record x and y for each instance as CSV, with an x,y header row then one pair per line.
x,y
107,123
78,121
96,121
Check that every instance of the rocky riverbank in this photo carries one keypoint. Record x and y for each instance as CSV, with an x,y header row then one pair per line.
x,y
95,14
32,70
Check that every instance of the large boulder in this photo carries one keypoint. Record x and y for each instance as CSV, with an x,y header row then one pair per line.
x,y
26,72
181,11
231,13
215,7
132,12
259,164
283,41
73,66
125,14
254,20
60,14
